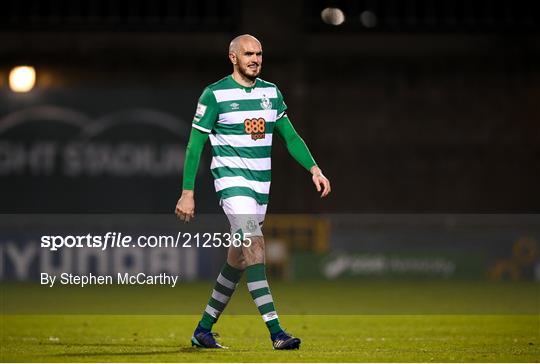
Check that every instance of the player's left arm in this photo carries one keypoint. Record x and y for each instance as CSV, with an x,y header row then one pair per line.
x,y
297,147
299,150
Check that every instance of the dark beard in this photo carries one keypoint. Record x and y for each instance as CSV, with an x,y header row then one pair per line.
x,y
249,77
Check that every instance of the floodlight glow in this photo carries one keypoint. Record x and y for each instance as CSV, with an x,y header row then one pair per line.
x,y
333,16
22,79
368,19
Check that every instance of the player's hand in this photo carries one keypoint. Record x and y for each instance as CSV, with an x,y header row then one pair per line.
x,y
185,207
321,182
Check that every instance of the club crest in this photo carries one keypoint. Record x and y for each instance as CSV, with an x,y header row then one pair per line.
x,y
266,103
251,226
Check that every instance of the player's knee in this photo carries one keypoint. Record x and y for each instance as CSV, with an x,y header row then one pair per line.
x,y
257,242
237,262
235,258
253,250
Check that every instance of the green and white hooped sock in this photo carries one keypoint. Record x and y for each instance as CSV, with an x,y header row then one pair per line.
x,y
226,283
260,292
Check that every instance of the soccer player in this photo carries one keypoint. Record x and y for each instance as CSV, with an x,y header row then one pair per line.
x,y
240,114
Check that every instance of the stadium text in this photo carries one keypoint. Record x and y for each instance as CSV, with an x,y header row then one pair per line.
x,y
45,158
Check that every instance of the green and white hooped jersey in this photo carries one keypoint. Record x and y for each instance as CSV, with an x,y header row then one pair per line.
x,y
241,122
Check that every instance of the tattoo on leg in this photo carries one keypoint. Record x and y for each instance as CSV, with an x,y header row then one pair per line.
x,y
254,254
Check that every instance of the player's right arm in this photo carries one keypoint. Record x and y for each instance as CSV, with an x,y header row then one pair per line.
x,y
203,122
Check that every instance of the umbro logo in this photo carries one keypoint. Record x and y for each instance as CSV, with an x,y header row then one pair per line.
x,y
235,106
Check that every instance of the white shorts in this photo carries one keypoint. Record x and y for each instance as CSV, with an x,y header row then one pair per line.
x,y
245,215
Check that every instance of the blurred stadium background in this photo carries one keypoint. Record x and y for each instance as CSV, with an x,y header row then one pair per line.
x,y
423,113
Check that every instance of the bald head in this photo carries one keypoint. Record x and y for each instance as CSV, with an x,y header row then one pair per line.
x,y
242,41
245,53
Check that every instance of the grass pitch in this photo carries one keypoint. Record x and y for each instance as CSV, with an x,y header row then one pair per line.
x,y
439,338
367,327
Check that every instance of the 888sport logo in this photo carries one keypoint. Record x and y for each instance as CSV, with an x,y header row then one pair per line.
x,y
256,127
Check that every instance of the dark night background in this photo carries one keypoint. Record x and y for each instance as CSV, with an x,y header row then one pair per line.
x,y
428,106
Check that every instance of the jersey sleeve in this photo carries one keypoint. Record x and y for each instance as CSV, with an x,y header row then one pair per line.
x,y
294,143
281,106
206,113
197,139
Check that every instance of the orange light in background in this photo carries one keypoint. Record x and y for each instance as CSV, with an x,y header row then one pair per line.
x,y
22,78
